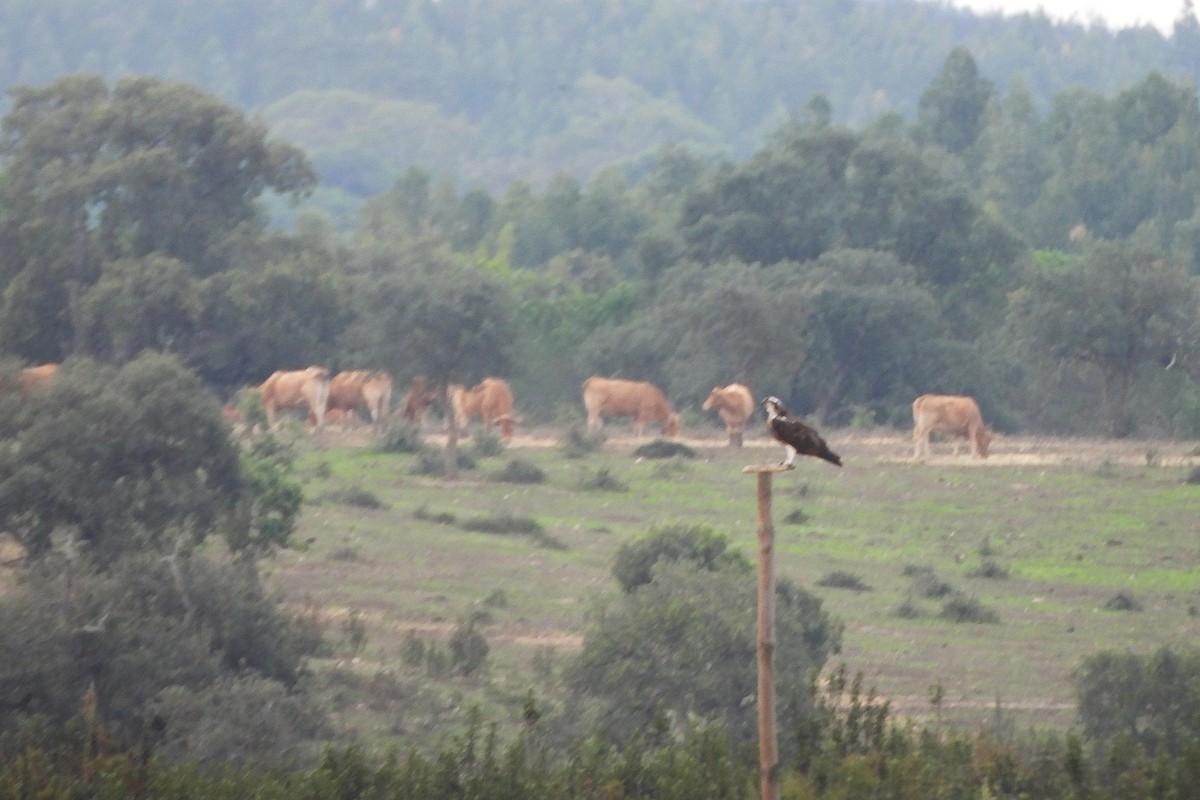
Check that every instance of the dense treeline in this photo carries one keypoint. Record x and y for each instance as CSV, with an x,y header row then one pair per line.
x,y
493,91
1045,263
850,748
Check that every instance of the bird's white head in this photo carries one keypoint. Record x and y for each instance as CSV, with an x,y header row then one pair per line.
x,y
774,407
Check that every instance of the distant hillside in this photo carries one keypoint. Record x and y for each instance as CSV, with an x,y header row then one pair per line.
x,y
489,91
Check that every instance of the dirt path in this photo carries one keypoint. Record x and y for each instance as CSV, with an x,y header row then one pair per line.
x,y
877,445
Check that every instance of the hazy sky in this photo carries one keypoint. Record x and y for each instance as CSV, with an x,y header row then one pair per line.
x,y
1114,13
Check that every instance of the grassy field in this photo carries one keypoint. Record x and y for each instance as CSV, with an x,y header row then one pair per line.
x,y
1074,546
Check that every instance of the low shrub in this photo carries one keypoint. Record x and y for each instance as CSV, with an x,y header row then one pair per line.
x,y
343,554
602,481
432,461
961,608
1122,601
580,442
401,438
354,496
908,609
440,517
795,517
663,448
504,524
989,569
507,524
486,443
927,584
519,471
840,579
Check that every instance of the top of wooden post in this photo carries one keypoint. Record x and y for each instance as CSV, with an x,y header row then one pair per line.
x,y
758,468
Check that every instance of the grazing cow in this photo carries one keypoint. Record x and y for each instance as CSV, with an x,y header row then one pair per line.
x,y
34,379
955,415
306,389
354,391
417,400
31,379
735,404
491,401
614,397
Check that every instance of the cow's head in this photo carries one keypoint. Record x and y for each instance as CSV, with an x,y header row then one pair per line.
x,y
505,424
671,426
712,398
983,438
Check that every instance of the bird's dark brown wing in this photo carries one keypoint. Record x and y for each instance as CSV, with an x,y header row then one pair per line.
x,y
806,440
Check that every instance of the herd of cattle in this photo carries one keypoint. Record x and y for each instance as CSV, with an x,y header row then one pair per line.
x,y
350,397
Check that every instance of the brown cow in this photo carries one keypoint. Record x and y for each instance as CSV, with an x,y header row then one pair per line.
x,y
491,401
417,400
614,397
30,379
37,378
360,390
735,404
955,415
306,389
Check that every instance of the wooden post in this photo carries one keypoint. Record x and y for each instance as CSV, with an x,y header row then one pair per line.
x,y
768,748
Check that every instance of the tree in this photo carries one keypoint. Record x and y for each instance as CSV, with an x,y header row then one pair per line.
x,y
1155,699
125,459
150,303
950,111
94,175
634,563
874,333
186,654
1114,310
254,321
681,649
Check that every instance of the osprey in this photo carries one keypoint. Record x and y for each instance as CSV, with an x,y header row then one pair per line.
x,y
795,436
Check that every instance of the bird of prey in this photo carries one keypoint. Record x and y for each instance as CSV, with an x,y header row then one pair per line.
x,y
796,437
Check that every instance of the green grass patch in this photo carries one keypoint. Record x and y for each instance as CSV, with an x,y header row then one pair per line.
x,y
1069,539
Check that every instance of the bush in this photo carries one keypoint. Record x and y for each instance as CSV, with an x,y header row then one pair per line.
x,y
840,579
795,517
687,640
519,471
143,626
602,480
989,569
503,524
238,720
1150,698
663,448
431,461
961,608
635,561
468,649
927,584
401,438
412,650
440,517
908,609
354,496
486,443
1122,601
506,524
580,442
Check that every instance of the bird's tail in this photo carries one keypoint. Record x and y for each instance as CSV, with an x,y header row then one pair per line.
x,y
829,455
